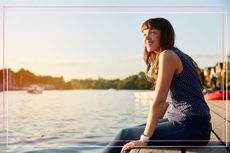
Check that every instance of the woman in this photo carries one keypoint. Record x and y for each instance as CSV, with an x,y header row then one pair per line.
x,y
188,121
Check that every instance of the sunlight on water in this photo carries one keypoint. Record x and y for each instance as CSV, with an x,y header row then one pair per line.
x,y
70,120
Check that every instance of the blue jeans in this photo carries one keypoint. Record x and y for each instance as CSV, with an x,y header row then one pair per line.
x,y
167,133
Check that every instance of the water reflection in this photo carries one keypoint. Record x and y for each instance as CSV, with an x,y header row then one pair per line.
x,y
64,119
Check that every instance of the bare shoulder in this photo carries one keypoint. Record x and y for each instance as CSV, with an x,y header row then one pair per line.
x,y
168,55
172,60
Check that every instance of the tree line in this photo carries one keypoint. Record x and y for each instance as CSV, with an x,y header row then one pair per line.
x,y
24,78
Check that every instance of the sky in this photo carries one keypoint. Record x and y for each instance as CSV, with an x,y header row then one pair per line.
x,y
104,42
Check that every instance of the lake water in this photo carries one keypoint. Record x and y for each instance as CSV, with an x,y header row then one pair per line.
x,y
70,120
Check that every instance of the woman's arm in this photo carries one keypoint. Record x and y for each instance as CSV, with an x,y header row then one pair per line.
x,y
165,107
167,67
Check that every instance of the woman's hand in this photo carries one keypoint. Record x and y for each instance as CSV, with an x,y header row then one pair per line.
x,y
133,144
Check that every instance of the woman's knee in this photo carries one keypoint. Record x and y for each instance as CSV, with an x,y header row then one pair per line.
x,y
129,133
122,134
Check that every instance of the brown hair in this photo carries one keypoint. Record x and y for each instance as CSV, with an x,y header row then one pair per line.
x,y
167,39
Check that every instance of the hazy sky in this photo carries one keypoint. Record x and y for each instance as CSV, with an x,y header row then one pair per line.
x,y
92,43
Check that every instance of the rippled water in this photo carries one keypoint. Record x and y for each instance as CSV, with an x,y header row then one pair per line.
x,y
70,120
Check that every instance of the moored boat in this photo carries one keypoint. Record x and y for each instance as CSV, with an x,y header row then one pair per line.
x,y
35,90
217,95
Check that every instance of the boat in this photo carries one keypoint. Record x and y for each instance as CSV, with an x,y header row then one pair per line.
x,y
35,90
145,95
217,95
112,89
149,96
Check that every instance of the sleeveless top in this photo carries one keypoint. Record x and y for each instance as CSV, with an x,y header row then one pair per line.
x,y
188,104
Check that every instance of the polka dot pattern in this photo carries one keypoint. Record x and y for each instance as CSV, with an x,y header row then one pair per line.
x,y
186,90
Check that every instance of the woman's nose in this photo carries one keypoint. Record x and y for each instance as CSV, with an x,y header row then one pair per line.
x,y
147,37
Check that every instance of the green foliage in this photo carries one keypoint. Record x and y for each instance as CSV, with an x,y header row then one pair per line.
x,y
131,82
26,78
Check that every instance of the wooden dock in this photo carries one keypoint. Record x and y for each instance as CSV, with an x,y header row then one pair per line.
x,y
220,138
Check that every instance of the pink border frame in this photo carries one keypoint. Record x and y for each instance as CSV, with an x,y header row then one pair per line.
x,y
5,119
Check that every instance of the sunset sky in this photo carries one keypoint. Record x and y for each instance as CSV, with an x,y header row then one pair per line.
x,y
104,42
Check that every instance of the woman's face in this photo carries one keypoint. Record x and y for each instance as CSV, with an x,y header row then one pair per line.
x,y
152,39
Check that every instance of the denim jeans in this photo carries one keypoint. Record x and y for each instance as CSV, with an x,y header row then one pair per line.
x,y
167,133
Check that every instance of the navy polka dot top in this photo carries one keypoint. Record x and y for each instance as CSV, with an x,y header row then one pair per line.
x,y
188,103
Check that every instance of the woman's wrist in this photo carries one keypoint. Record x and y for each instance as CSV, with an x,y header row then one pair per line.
x,y
144,138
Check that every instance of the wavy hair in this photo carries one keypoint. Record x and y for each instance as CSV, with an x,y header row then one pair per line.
x,y
167,39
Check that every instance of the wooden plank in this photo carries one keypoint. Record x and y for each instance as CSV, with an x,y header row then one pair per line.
x,y
160,150
220,104
219,123
214,141
212,147
220,110
220,149
136,150
156,150
220,126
